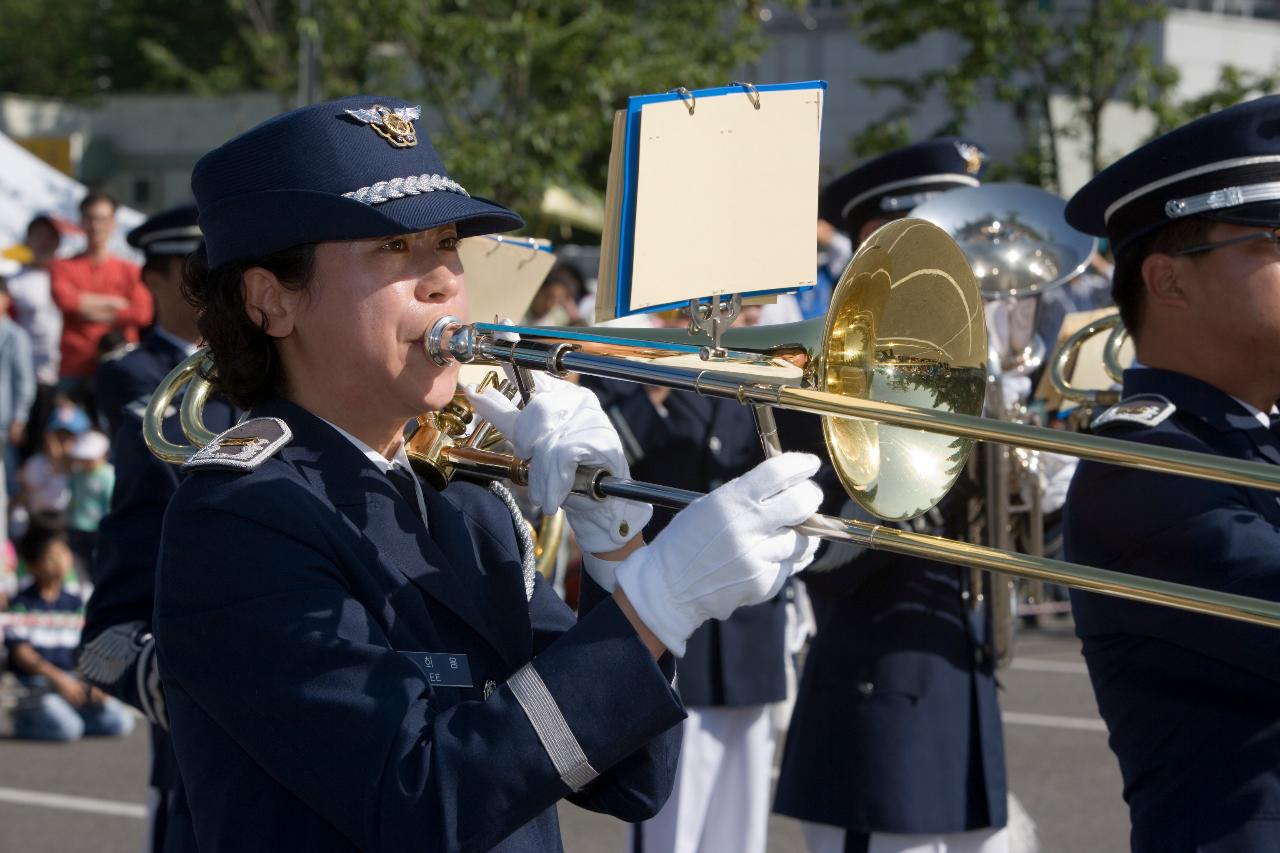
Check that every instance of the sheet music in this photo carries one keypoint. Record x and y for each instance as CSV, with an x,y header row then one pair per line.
x,y
715,200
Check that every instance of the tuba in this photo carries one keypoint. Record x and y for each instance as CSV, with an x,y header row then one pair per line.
x,y
1061,366
1021,249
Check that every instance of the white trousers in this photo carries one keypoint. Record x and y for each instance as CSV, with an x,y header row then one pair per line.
x,y
824,838
721,797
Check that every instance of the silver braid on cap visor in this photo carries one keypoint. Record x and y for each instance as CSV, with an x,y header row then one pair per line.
x,y
1218,199
401,187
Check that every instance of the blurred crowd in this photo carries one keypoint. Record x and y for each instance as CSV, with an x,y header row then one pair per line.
x,y
61,316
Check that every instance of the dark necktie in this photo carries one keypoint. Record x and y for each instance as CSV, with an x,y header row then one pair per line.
x,y
403,481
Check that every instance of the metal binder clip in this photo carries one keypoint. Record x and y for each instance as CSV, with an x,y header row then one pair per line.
x,y
690,100
712,318
752,92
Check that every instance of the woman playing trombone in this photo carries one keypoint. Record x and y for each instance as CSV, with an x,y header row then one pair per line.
x,y
352,659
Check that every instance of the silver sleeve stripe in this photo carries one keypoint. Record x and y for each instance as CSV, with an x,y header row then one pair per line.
x,y
553,730
150,694
408,185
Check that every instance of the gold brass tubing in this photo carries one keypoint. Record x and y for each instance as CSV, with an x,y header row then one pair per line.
x,y
1070,347
486,463
1146,457
1133,587
1111,352
153,422
191,413
550,532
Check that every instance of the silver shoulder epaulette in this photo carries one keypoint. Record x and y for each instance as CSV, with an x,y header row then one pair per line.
x,y
1144,409
138,408
243,447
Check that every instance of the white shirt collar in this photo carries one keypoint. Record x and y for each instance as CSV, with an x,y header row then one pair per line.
x,y
1263,417
384,464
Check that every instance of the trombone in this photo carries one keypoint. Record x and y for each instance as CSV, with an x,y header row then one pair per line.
x,y
898,369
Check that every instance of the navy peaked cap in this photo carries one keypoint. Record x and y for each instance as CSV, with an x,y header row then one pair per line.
x,y
1224,166
344,170
173,233
889,186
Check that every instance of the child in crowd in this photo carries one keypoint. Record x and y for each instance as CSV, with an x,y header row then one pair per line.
x,y
41,640
92,480
44,482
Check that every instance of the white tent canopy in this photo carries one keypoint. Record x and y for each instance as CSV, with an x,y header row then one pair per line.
x,y
29,186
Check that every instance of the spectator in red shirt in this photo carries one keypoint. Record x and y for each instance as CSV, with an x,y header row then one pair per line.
x,y
97,293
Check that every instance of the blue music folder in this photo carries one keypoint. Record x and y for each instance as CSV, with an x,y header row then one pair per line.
x,y
711,192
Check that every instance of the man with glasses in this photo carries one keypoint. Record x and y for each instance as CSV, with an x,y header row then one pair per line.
x,y
1192,702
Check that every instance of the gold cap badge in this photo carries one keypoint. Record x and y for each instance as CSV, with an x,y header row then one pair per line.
x,y
395,126
972,156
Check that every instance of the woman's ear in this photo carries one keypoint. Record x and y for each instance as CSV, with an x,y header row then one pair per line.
x,y
270,305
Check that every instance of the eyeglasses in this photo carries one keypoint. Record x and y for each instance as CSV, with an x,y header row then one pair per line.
x,y
1272,237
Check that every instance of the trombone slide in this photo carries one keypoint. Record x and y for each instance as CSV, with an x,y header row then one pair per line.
x,y
600,484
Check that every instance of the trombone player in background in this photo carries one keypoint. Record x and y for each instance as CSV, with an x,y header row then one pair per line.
x,y
1192,703
895,742
353,660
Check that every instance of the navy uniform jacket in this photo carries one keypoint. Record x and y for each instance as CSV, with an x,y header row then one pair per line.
x,y
134,376
1192,703
698,444
896,727
288,602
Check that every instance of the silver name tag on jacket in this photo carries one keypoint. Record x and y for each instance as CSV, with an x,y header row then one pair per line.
x,y
442,669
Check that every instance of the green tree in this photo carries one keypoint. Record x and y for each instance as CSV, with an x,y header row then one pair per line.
x,y
519,94
1234,85
1023,53
34,35
525,91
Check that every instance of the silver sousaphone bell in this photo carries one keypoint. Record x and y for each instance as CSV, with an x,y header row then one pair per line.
x,y
1022,253
1020,248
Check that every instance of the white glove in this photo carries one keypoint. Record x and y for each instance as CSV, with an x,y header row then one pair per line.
x,y
561,428
727,549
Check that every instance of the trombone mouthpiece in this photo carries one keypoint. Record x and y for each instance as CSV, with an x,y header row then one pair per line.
x,y
450,340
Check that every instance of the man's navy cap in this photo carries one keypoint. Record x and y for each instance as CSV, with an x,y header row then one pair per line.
x,y
174,233
889,186
344,170
1224,166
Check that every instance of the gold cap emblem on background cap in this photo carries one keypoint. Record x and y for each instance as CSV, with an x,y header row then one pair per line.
x,y
972,156
395,126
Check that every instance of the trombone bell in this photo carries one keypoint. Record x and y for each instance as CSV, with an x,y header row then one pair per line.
x,y
905,326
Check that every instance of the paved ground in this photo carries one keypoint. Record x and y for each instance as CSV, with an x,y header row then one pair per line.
x,y
88,797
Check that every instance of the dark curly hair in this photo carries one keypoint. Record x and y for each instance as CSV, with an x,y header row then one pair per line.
x,y
246,368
